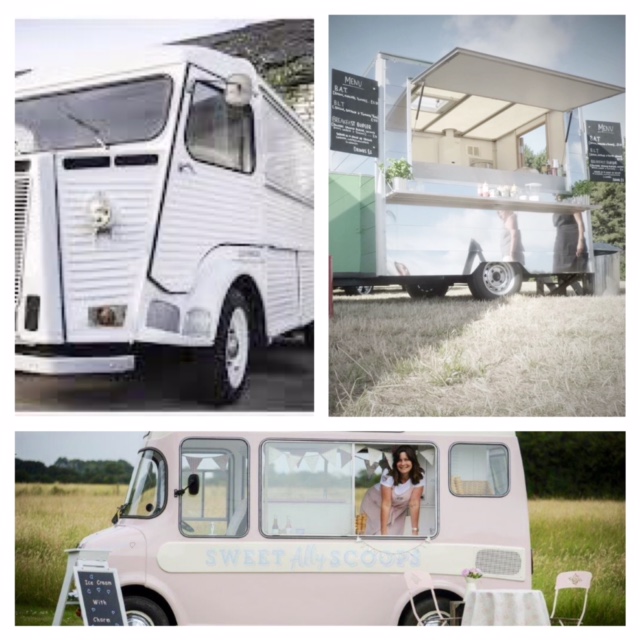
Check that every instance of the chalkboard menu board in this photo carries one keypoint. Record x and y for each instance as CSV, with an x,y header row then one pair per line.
x,y
100,598
354,114
604,140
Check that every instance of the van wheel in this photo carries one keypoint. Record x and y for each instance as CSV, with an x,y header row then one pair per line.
x,y
308,335
142,612
362,290
493,280
420,291
222,368
428,614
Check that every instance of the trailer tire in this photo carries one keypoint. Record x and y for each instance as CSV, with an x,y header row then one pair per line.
x,y
428,614
222,368
143,612
421,291
492,280
362,290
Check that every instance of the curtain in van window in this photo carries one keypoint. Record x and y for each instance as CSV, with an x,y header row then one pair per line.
x,y
479,470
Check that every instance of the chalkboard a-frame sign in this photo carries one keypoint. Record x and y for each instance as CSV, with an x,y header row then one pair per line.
x,y
100,597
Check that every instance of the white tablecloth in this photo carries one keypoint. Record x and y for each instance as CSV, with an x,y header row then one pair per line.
x,y
506,608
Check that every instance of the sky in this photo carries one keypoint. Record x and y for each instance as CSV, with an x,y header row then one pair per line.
x,y
51,42
48,446
592,47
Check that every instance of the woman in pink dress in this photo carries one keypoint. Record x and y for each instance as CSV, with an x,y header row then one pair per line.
x,y
399,490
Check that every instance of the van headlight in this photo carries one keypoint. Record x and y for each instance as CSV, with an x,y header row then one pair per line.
x,y
100,212
197,323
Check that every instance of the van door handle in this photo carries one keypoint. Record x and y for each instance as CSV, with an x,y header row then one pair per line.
x,y
186,166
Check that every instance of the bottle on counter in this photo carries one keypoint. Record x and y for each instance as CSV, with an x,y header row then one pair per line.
x,y
275,529
513,192
288,528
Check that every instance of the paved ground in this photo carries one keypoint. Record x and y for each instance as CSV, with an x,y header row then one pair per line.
x,y
280,379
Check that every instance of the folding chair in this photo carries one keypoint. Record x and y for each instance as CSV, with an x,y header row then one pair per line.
x,y
571,580
418,582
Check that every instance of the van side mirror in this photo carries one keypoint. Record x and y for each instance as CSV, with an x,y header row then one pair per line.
x,y
193,484
237,92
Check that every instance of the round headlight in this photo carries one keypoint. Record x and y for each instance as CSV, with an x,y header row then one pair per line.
x,y
100,212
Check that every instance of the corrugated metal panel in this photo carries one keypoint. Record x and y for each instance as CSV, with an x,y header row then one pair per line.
x,y
607,275
203,210
105,268
22,199
282,291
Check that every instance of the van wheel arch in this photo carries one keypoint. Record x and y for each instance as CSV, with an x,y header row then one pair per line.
x,y
136,595
257,325
424,606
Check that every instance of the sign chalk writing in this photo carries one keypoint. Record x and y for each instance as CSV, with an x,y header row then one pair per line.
x,y
605,149
100,597
354,114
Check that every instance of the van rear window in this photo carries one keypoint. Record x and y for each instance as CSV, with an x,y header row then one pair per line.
x,y
479,470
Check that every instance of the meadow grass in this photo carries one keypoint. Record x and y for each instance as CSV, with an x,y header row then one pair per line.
x,y
526,355
566,536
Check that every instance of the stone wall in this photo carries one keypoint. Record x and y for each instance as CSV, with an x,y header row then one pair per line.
x,y
301,100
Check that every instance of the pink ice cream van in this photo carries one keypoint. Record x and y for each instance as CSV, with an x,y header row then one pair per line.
x,y
276,528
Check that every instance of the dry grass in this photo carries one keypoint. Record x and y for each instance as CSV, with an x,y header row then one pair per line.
x,y
50,519
456,356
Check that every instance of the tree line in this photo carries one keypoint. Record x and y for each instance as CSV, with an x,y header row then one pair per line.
x,y
74,471
574,465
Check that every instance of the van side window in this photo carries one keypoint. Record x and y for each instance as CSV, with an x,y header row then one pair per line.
x,y
218,133
307,489
479,470
214,474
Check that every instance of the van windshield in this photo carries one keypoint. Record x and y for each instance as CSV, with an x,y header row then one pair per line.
x,y
147,492
94,116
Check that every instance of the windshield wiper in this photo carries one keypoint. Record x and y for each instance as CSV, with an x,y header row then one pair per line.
x,y
97,134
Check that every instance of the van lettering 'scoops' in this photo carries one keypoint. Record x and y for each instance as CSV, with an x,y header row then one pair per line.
x,y
214,521
161,199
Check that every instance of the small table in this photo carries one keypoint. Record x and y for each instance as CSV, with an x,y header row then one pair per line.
x,y
505,608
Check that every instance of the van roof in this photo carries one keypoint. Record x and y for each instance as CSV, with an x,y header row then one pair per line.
x,y
101,67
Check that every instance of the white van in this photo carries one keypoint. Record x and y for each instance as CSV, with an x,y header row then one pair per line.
x,y
260,528
164,198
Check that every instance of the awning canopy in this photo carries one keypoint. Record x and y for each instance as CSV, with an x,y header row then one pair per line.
x,y
486,97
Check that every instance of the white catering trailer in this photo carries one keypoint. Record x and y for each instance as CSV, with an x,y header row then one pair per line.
x,y
164,198
470,210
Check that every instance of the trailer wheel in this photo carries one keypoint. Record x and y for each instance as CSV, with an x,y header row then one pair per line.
x,y
363,290
428,614
493,280
421,291
142,612
222,368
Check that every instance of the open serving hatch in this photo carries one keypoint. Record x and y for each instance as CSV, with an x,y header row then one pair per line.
x,y
485,97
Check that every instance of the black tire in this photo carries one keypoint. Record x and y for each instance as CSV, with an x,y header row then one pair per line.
x,y
362,290
143,612
222,368
428,614
421,291
493,280
308,335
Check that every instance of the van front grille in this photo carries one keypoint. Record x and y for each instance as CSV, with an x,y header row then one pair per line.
x,y
23,191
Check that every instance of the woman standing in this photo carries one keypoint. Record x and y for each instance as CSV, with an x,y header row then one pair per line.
x,y
399,490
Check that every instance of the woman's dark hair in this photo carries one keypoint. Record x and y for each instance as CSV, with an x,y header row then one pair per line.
x,y
416,470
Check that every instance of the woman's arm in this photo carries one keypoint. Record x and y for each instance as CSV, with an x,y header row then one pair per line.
x,y
385,509
578,218
414,509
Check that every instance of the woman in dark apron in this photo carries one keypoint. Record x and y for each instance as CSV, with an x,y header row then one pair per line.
x,y
569,250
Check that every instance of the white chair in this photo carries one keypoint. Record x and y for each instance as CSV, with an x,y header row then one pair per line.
x,y
419,582
571,580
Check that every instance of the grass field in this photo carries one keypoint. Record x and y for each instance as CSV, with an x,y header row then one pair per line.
x,y
566,535
527,355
